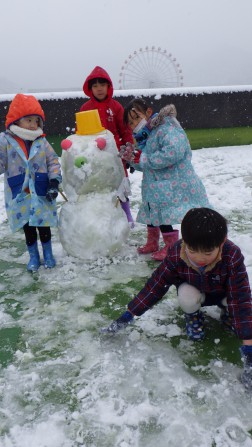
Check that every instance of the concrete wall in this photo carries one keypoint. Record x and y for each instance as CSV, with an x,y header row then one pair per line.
x,y
197,108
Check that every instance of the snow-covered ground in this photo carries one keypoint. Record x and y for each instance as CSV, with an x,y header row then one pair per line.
x,y
68,386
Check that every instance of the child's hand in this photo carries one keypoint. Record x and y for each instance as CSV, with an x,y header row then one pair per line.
x,y
52,190
246,376
137,155
127,152
119,324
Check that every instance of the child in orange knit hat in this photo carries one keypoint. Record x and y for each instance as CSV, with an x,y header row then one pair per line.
x,y
31,177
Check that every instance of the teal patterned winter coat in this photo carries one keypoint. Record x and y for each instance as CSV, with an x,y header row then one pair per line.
x,y
26,182
170,186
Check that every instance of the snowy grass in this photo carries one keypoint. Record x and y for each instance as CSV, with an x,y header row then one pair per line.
x,y
62,384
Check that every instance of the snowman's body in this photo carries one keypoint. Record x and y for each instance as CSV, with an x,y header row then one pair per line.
x,y
90,223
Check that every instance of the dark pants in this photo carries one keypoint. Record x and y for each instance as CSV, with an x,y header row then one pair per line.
x,y
214,300
164,228
31,234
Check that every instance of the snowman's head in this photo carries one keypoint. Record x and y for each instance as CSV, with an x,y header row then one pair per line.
x,y
90,163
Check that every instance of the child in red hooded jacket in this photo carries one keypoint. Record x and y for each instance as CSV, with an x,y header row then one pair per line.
x,y
98,87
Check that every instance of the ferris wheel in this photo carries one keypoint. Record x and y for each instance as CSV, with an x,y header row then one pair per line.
x,y
150,67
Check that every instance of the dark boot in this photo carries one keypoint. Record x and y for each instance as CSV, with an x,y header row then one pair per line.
x,y
34,263
49,261
152,243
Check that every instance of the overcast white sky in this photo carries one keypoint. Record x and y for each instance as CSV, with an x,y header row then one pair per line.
x,y
54,44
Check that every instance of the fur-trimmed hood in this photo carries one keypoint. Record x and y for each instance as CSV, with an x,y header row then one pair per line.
x,y
169,110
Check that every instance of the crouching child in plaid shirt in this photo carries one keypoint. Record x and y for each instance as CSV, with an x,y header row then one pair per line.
x,y
207,269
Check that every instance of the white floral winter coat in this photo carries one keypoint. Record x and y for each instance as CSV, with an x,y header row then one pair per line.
x,y
26,182
170,186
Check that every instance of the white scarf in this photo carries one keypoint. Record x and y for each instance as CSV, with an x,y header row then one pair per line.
x,y
26,134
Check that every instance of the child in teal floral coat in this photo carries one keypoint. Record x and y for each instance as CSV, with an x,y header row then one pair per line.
x,y
170,185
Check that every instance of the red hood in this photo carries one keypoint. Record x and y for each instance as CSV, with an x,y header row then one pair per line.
x,y
23,105
98,72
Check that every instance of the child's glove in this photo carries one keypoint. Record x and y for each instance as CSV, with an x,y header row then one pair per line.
x,y
137,155
52,190
119,324
127,152
246,376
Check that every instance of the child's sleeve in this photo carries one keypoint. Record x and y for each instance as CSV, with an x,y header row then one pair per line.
x,y
154,290
3,154
170,148
53,164
239,296
124,130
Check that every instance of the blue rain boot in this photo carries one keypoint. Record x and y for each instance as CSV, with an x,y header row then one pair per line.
x,y
34,263
194,325
49,261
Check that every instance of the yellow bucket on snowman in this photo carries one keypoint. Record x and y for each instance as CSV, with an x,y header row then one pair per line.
x,y
88,122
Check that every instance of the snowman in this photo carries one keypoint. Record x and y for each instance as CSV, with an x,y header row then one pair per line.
x,y
91,222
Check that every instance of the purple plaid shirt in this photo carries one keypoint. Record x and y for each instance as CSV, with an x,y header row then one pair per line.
x,y
227,278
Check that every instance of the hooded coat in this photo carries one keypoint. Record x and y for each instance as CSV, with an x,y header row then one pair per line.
x,y
110,110
26,176
170,186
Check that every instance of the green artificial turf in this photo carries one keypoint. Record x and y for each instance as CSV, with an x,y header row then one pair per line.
x,y
55,141
199,138
231,136
9,338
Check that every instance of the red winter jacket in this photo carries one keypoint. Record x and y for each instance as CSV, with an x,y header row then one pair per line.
x,y
110,110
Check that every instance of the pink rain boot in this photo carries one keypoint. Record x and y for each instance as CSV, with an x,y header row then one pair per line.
x,y
152,243
169,239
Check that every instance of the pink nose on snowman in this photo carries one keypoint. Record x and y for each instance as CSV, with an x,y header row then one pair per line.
x,y
66,144
101,143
